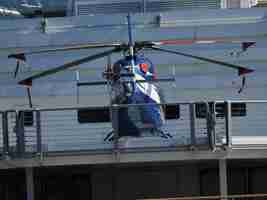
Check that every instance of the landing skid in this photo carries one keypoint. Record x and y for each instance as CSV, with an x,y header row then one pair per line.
x,y
161,133
155,132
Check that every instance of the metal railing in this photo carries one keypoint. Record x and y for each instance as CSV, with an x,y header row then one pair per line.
x,y
30,132
246,130
208,125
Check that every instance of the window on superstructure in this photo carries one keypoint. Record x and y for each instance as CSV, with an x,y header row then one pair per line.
x,y
237,109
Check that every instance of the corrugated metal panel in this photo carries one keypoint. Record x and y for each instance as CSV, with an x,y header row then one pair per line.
x,y
107,8
207,3
262,3
84,8
157,5
240,3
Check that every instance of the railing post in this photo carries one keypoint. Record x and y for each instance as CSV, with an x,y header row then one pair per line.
x,y
5,134
210,127
29,173
38,133
223,178
20,133
228,123
115,125
213,123
192,124
144,6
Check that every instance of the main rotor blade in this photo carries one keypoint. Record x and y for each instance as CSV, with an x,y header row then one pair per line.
x,y
22,55
203,41
28,81
95,83
241,70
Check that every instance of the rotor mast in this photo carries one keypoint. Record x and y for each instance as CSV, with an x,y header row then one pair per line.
x,y
130,44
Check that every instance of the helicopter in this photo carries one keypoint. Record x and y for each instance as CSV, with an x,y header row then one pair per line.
x,y
131,81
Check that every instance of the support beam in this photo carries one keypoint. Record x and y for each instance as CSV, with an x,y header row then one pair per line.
x,y
228,123
20,134
30,183
223,177
192,124
5,135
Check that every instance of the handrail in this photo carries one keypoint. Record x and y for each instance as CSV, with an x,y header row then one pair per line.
x,y
93,107
141,104
212,197
241,101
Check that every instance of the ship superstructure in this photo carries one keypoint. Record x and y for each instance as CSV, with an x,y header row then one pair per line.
x,y
55,145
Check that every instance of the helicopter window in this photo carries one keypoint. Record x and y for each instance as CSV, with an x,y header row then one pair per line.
x,y
237,109
27,117
93,115
172,112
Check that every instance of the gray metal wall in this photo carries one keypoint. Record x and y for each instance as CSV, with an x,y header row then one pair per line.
x,y
194,80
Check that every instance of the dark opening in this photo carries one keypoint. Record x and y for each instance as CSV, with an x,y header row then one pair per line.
x,y
28,118
237,109
93,115
66,183
172,111
98,115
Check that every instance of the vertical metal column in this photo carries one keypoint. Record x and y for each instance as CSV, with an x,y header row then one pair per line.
x,y
223,177
144,6
5,134
115,125
20,133
192,124
77,73
210,127
38,133
213,124
70,8
223,3
29,183
228,123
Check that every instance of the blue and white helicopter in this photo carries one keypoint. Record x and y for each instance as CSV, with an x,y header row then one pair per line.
x,y
131,80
